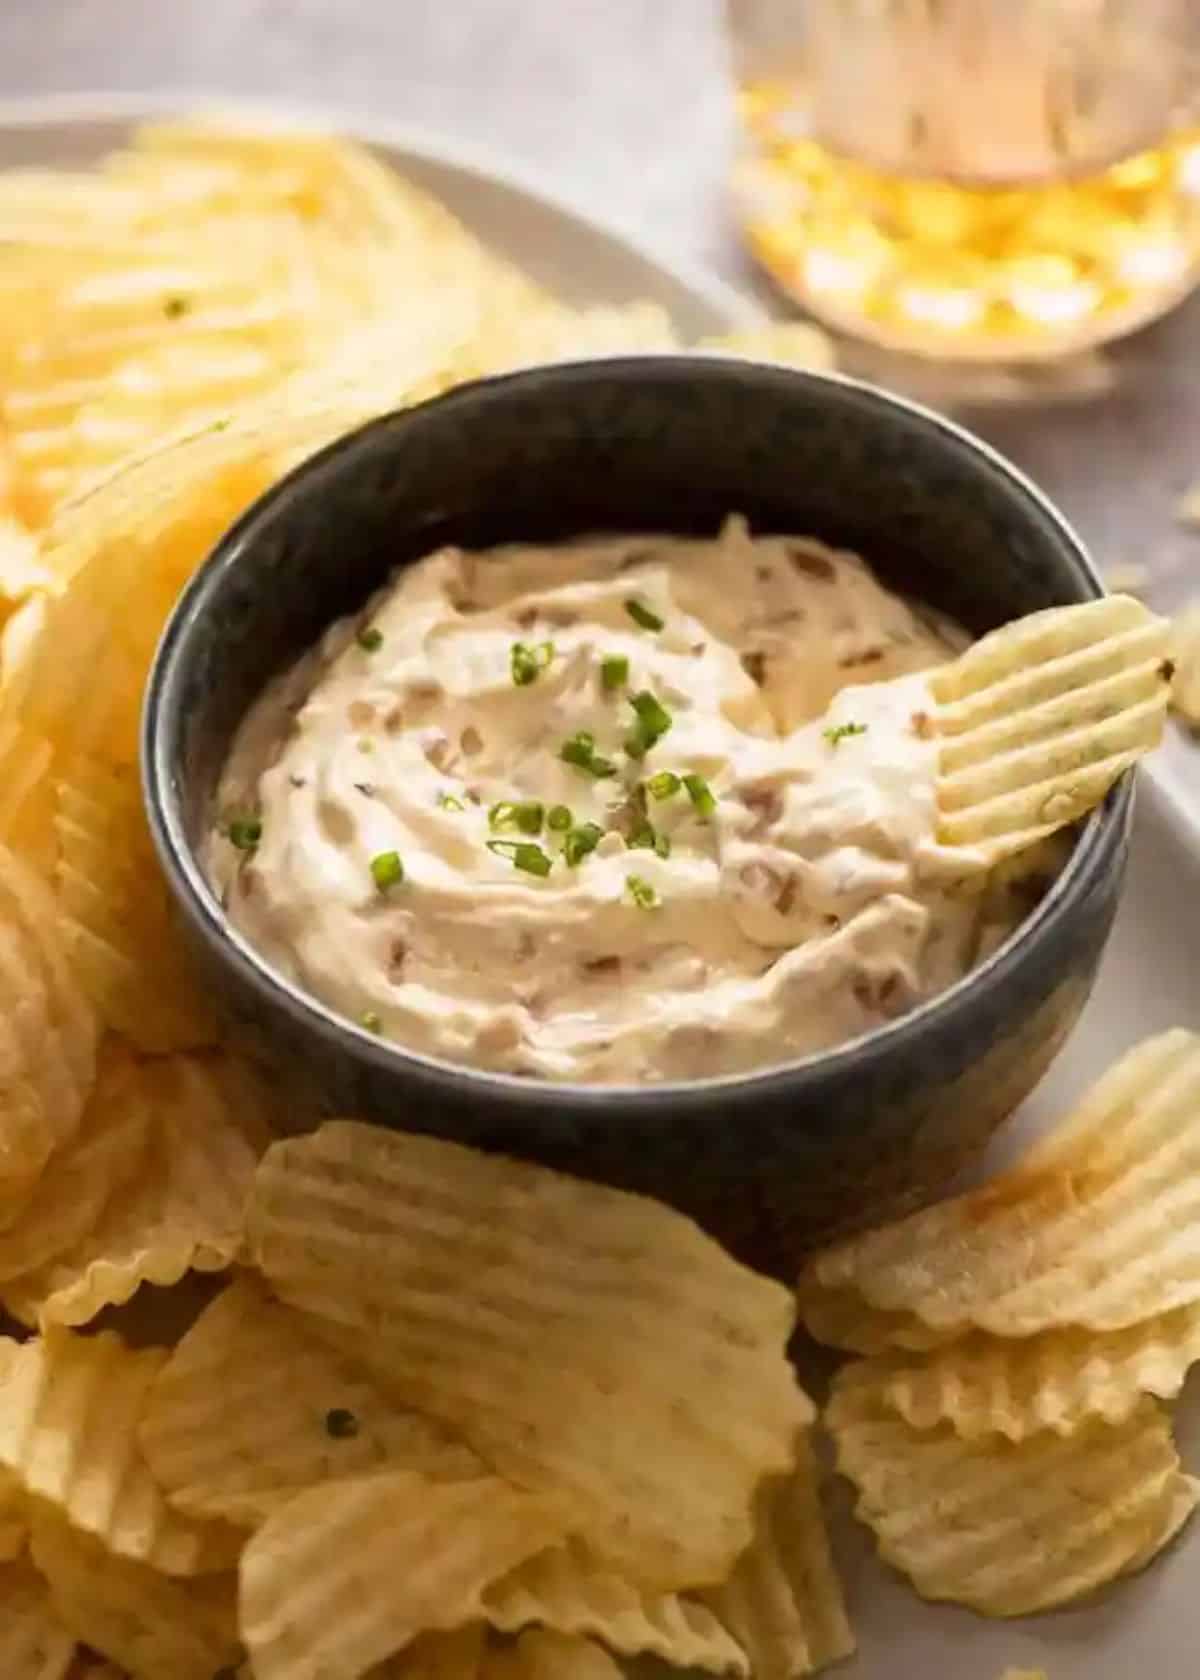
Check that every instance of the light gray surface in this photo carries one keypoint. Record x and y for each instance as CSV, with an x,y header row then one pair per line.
x,y
623,105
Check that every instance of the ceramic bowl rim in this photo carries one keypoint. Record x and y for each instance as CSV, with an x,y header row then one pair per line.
x,y
1103,831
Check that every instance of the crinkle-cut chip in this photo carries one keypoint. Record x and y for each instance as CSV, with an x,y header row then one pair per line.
x,y
458,1654
1009,1528
115,914
530,1310
783,1603
1098,1226
21,572
794,343
1039,719
34,1644
157,1626
1184,647
545,1654
348,1572
69,1411
1016,1386
83,1175
48,1037
842,1319
252,1407
552,332
208,1119
564,1588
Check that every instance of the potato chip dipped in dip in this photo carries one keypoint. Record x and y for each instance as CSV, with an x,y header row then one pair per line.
x,y
620,810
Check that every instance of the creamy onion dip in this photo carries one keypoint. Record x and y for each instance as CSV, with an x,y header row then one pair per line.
x,y
624,809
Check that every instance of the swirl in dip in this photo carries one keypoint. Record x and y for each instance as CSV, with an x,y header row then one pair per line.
x,y
627,809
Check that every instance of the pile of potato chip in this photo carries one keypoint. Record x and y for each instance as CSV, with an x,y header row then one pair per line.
x,y
1006,1434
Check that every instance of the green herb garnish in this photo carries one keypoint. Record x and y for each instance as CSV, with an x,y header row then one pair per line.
x,y
580,841
559,818
525,816
341,1425
387,870
643,615
370,1022
614,671
843,731
580,750
448,802
369,639
527,663
700,794
664,784
522,854
651,724
646,837
642,893
244,832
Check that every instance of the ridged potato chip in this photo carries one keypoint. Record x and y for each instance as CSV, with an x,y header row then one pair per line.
x,y
116,919
48,1037
842,1319
351,1571
1184,647
207,1121
543,1654
783,1603
1006,1528
252,1407
565,1589
531,1311
34,1644
83,1175
1039,719
1016,1386
156,1626
69,1411
1098,1226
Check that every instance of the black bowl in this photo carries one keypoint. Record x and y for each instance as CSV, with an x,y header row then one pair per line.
x,y
773,1161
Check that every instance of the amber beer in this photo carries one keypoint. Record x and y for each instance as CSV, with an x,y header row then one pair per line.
x,y
972,178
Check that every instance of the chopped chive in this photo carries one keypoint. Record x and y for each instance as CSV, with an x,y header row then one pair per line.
x,y
527,663
642,893
525,816
843,731
369,639
522,854
340,1424
448,802
700,794
580,751
559,818
614,671
662,844
641,837
664,784
370,1022
580,841
643,615
244,832
653,722
387,870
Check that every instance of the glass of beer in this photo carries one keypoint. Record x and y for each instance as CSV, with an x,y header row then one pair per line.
x,y
988,179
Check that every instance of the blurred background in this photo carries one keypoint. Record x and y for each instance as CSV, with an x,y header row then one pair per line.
x,y
630,109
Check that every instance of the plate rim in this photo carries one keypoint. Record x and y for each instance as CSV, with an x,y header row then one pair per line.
x,y
80,108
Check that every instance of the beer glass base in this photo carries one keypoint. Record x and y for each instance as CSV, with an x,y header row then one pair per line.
x,y
936,269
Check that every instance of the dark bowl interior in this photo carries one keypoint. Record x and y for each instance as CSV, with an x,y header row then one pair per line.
x,y
646,444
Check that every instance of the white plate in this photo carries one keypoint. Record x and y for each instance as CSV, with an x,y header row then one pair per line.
x,y
1150,977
